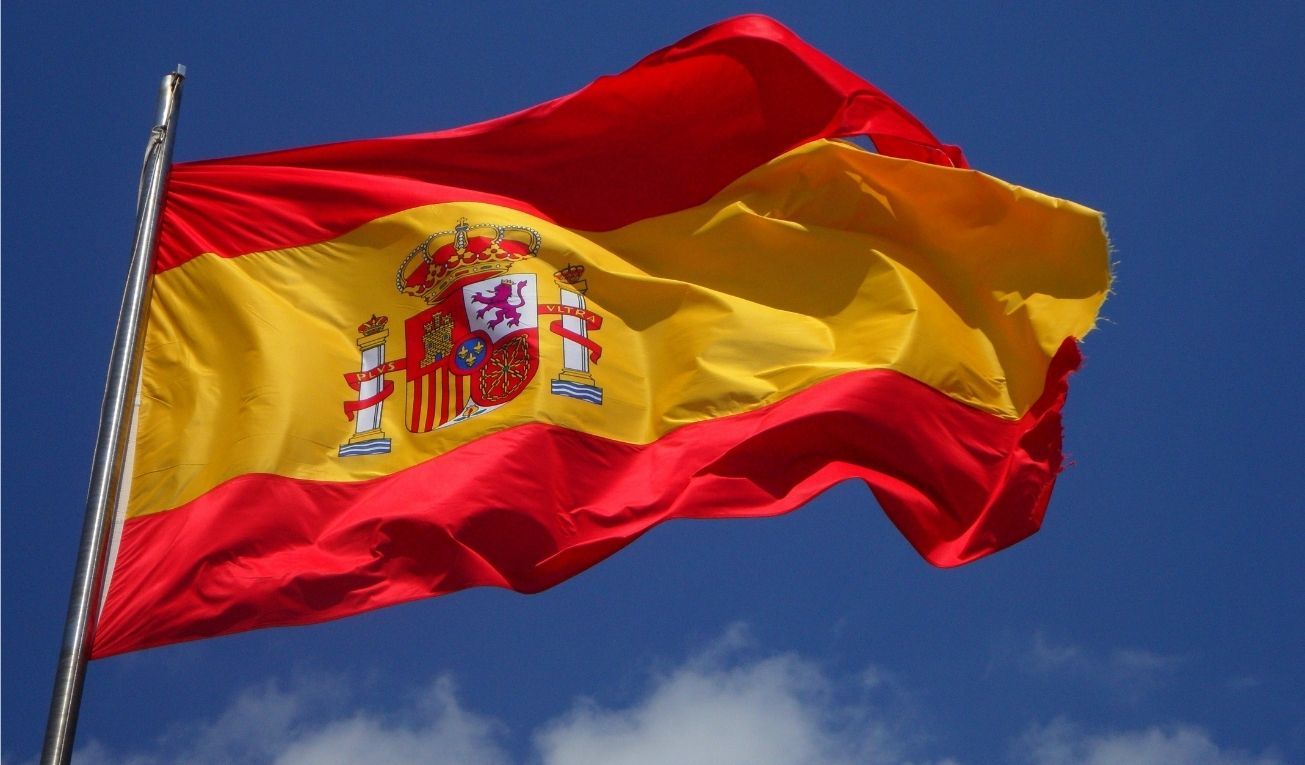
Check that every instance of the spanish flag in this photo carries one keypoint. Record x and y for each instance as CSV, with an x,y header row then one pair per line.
x,y
389,369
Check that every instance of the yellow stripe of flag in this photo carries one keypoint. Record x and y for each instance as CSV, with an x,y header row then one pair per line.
x,y
824,261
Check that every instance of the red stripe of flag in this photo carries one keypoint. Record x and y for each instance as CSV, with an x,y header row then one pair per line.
x,y
958,483
719,103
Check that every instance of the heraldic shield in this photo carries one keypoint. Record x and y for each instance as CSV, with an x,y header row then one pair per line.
x,y
473,351
475,346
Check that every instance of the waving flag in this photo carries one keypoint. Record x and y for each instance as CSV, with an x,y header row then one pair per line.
x,y
388,369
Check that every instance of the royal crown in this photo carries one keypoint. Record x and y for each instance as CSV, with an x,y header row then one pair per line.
x,y
448,257
573,276
373,325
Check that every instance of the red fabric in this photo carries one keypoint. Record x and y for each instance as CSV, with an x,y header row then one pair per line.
x,y
666,134
265,550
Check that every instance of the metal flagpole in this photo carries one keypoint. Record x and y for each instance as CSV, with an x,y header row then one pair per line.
x,y
111,443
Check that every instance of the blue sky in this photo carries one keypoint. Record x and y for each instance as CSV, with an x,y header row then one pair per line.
x,y
1156,618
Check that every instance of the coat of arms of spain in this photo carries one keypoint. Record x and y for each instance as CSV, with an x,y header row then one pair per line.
x,y
475,346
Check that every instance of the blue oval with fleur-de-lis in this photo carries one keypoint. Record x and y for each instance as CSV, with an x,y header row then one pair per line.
x,y
470,354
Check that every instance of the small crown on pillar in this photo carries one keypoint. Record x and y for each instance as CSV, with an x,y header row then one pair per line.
x,y
448,257
574,276
373,325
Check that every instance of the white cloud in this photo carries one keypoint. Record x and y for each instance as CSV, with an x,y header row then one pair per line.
x,y
269,725
1063,743
775,710
1046,656
721,709
723,706
1130,672
441,731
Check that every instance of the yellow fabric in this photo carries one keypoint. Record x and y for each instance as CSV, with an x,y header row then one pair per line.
x,y
827,260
